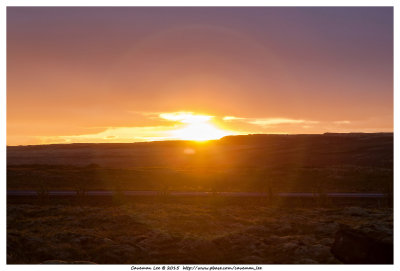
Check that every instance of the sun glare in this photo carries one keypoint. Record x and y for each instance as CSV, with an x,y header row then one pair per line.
x,y
197,127
199,132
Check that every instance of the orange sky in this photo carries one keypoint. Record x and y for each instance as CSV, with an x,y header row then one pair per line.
x,y
112,74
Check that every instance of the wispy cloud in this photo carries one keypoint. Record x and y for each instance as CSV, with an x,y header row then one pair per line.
x,y
269,121
185,117
230,118
114,134
275,121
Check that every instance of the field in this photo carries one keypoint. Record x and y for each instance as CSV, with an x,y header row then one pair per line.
x,y
281,163
165,229
198,233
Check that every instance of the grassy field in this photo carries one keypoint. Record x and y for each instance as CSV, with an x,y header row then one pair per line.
x,y
168,232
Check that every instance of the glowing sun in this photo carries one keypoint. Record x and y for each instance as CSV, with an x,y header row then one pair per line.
x,y
196,127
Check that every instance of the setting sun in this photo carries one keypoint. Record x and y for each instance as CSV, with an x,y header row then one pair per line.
x,y
199,132
197,127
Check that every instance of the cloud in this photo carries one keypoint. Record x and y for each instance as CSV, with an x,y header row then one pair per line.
x,y
269,121
230,118
277,121
185,117
274,121
113,134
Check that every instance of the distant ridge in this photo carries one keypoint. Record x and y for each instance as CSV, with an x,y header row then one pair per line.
x,y
215,140
362,149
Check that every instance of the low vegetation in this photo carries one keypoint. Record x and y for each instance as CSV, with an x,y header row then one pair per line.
x,y
288,163
332,179
198,232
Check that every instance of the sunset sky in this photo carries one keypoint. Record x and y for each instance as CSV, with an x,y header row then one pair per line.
x,y
128,74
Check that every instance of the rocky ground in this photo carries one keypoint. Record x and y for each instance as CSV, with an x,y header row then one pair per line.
x,y
150,233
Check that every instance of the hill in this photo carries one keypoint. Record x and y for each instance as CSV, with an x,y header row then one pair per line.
x,y
233,151
338,162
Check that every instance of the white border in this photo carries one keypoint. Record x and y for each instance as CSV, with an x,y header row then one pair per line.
x,y
4,4
3,142
199,3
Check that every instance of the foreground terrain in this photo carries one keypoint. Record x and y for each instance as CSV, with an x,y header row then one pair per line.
x,y
168,232
204,230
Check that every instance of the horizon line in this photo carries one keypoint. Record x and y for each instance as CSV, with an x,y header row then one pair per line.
x,y
198,141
